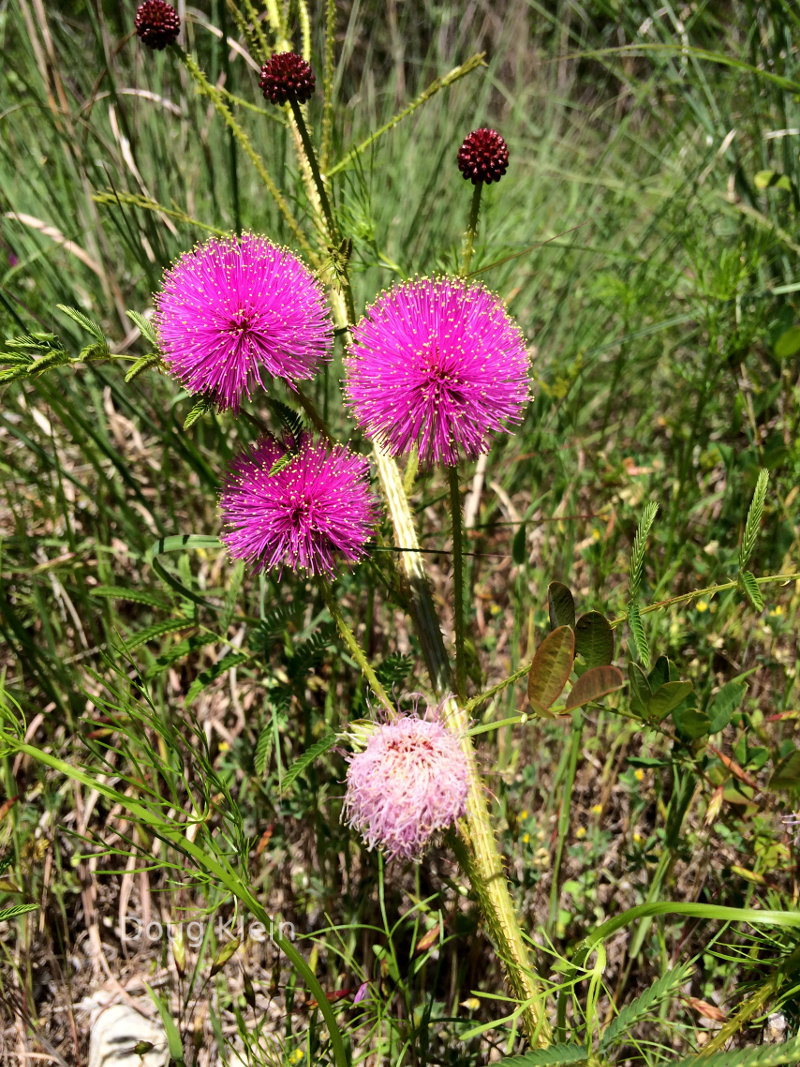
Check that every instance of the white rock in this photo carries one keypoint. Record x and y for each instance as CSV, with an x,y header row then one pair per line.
x,y
117,1030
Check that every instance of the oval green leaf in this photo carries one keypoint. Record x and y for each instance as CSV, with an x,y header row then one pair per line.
x,y
594,684
551,667
561,605
594,639
666,698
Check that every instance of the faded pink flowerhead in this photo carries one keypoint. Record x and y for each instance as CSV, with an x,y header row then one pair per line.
x,y
408,783
436,363
304,512
237,309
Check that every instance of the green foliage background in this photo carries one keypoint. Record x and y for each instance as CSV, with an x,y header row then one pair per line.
x,y
646,238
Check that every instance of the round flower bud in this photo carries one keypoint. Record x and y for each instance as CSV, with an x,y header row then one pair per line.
x,y
483,157
287,76
157,23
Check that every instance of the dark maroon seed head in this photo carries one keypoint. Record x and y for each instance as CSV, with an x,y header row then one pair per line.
x,y
483,157
157,23
287,76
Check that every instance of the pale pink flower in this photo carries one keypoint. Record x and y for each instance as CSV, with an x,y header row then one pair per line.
x,y
408,784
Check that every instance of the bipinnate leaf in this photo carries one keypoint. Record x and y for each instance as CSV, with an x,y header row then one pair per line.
x,y
754,1056
642,1006
205,678
138,596
561,605
16,909
753,521
594,684
666,698
145,327
290,420
152,359
306,758
752,591
638,634
158,629
594,639
639,546
202,407
84,322
553,1056
551,667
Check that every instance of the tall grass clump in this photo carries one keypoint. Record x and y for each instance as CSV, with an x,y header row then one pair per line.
x,y
399,582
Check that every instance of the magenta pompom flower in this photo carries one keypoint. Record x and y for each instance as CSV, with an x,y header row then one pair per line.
x,y
157,23
301,513
408,783
483,156
286,76
436,363
237,308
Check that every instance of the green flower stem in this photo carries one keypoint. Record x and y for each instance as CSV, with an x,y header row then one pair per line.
x,y
458,583
472,229
205,88
354,647
319,185
481,859
313,414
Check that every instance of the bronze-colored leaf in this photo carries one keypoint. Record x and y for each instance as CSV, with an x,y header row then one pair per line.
x,y
593,685
551,666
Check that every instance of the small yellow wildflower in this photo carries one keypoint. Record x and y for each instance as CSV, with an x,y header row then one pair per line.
x,y
638,774
702,605
596,809
580,833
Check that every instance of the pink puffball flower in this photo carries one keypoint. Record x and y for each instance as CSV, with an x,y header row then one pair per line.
x,y
408,783
436,363
235,309
303,512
